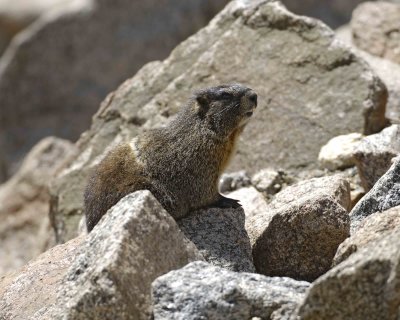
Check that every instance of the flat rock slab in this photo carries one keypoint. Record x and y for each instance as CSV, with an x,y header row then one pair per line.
x,y
221,237
297,236
384,195
372,228
262,45
365,286
133,244
202,291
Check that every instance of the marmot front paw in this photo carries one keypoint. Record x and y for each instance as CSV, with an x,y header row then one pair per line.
x,y
224,202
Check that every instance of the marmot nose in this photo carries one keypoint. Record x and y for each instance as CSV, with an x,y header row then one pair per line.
x,y
253,97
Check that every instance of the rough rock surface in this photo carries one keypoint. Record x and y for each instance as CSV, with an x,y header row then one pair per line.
x,y
251,200
374,155
388,72
338,153
89,50
133,244
373,227
220,236
384,195
33,287
24,204
202,291
316,102
300,231
365,286
376,29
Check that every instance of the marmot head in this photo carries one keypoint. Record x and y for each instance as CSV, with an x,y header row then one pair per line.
x,y
225,108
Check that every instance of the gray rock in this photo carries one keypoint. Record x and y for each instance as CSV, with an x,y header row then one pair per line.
x,y
90,48
25,229
252,201
298,235
373,227
16,15
376,29
333,12
269,181
356,189
374,154
233,181
202,291
388,72
220,236
365,286
133,244
384,195
339,152
34,286
316,103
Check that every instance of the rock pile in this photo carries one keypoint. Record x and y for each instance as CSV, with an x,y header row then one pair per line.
x,y
304,93
301,247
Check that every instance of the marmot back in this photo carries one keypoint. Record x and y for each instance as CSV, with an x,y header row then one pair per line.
x,y
181,163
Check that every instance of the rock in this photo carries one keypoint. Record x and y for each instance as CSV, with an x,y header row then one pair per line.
x,y
365,286
33,287
233,181
91,47
269,181
251,200
384,195
333,12
376,29
387,70
297,236
356,189
338,153
202,291
373,227
316,102
23,12
133,244
375,153
220,236
16,15
24,204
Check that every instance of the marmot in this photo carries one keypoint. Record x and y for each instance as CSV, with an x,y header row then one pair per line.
x,y
180,163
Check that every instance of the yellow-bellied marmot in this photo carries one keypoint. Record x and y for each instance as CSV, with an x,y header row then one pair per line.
x,y
180,163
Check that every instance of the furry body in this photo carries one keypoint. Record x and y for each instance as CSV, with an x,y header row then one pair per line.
x,y
181,163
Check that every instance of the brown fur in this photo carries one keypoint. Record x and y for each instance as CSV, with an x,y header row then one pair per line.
x,y
181,163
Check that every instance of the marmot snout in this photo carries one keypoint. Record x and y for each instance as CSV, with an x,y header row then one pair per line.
x,y
180,163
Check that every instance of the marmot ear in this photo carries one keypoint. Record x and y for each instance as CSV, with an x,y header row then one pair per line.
x,y
202,102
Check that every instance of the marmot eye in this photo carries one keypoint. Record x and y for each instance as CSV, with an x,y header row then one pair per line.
x,y
225,95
